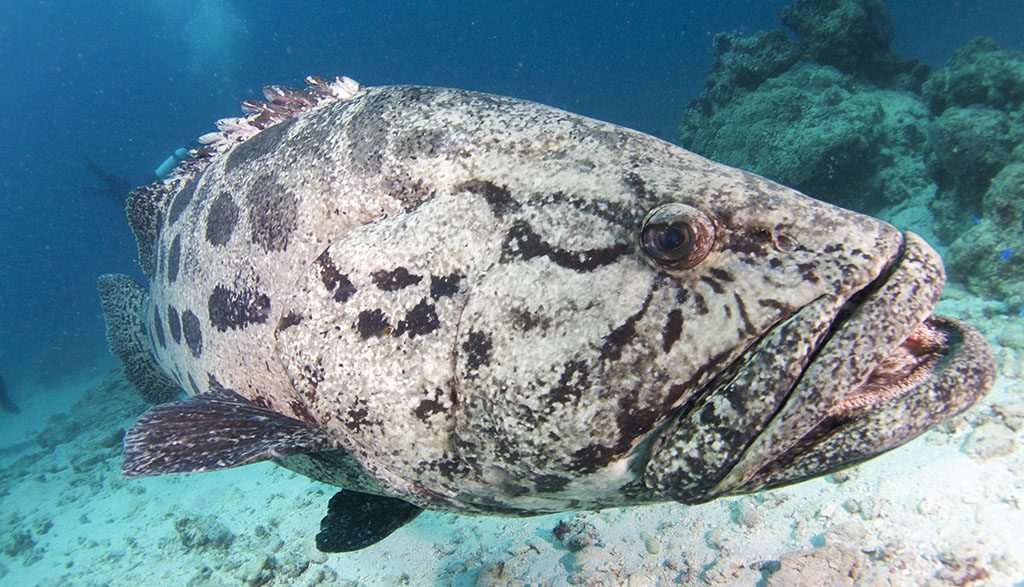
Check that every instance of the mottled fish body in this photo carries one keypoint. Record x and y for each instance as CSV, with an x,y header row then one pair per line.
x,y
443,299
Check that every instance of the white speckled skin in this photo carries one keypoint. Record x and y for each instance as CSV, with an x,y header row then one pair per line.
x,y
451,284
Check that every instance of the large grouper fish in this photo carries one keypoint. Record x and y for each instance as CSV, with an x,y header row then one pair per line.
x,y
441,299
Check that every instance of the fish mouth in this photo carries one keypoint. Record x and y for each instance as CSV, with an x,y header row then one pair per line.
x,y
886,370
834,384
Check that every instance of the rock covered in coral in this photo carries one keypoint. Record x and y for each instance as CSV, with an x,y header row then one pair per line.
x,y
203,532
853,36
1004,200
838,116
847,34
978,74
823,132
990,255
972,144
577,533
741,63
814,114
978,102
978,139
827,565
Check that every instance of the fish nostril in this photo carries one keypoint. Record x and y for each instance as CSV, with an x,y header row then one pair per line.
x,y
784,243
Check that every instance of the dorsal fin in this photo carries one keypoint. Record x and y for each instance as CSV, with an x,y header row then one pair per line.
x,y
124,308
282,103
214,430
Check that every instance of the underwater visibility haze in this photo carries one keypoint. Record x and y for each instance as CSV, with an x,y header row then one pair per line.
x,y
463,325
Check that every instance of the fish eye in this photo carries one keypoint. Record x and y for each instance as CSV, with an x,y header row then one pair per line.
x,y
676,236
668,243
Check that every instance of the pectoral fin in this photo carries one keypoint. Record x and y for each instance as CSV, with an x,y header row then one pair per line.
x,y
214,430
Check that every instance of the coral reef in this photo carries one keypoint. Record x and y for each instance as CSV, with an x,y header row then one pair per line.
x,y
833,114
977,101
742,63
854,37
838,116
989,256
823,132
978,138
981,74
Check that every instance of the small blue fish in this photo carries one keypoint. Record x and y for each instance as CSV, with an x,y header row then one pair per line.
x,y
1006,254
976,219
1021,313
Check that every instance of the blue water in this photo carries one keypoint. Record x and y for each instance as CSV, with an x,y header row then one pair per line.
x,y
125,84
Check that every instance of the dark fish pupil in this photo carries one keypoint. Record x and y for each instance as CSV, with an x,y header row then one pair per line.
x,y
668,242
671,238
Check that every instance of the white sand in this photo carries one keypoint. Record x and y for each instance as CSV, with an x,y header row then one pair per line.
x,y
945,509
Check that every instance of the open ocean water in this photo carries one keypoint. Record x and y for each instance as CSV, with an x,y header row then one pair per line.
x,y
906,110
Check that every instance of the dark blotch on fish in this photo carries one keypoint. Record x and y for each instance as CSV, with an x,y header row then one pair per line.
x,y
335,281
421,320
371,323
478,351
174,323
398,278
174,259
193,333
158,327
273,214
221,221
232,309
181,201
444,286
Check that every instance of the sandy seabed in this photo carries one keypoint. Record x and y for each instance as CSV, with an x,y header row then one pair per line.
x,y
947,509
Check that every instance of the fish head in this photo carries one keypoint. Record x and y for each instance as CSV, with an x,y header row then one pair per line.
x,y
836,354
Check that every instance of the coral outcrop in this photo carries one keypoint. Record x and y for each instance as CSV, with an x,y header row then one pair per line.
x,y
978,139
854,37
978,74
831,114
838,116
821,131
989,256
